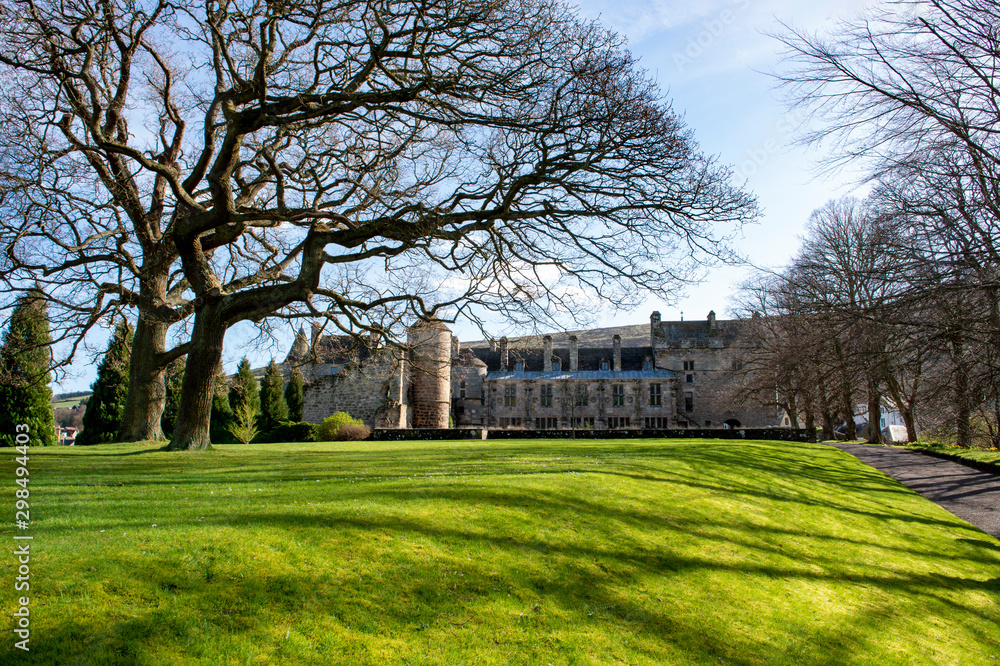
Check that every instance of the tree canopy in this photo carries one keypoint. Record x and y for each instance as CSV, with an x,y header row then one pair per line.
x,y
209,162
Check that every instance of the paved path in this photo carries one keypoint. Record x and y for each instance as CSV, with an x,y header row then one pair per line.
x,y
971,495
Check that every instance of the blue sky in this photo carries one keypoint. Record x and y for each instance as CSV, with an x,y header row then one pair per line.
x,y
710,59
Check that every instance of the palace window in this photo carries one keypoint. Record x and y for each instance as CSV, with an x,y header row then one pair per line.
x,y
657,423
688,402
618,422
689,378
546,395
582,397
655,395
617,395
510,396
689,365
461,390
585,422
546,423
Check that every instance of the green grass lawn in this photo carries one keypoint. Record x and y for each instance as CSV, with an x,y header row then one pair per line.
x,y
988,456
496,552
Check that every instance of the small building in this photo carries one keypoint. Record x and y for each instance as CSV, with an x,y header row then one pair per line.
x,y
67,436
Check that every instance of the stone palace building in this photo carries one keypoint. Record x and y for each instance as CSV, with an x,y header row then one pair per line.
x,y
684,378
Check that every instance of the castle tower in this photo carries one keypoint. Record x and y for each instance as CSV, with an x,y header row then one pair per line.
x,y
300,348
430,373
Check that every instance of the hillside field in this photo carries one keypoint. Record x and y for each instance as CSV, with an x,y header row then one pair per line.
x,y
494,552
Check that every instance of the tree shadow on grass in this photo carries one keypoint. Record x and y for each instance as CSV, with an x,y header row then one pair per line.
x,y
565,580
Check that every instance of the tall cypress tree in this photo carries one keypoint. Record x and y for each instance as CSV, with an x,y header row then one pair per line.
x,y
106,405
273,408
25,396
244,388
295,395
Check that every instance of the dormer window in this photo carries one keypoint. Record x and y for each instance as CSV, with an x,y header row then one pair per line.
x,y
605,365
647,364
519,367
556,365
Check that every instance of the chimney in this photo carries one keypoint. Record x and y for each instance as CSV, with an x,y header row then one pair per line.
x,y
547,353
712,325
456,346
316,328
617,342
504,353
574,359
654,323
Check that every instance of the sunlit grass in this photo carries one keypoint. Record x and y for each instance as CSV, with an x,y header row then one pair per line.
x,y
988,456
496,552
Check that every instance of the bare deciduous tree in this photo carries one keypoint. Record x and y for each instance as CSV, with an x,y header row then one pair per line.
x,y
367,162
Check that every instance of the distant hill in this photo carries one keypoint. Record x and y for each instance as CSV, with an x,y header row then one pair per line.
x,y
70,399
636,335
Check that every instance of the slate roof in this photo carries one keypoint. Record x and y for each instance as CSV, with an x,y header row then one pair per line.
x,y
672,333
333,350
589,358
582,375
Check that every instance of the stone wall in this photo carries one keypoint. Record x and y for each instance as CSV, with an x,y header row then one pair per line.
x,y
600,407
371,393
467,395
708,372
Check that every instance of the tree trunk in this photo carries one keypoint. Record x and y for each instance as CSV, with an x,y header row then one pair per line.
x,y
826,414
793,412
146,395
963,412
906,410
911,424
194,415
874,413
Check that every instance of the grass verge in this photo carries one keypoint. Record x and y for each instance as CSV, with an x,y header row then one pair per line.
x,y
986,459
497,552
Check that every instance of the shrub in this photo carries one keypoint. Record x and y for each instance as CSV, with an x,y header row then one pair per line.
x,y
289,431
353,433
331,428
244,424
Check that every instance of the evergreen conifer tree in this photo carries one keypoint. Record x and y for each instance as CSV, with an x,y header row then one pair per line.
x,y
25,396
294,395
244,389
106,406
222,413
273,408
172,379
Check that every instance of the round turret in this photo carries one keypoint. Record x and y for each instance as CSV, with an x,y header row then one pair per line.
x,y
430,373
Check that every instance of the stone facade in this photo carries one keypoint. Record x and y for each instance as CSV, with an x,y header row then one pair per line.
x,y
685,378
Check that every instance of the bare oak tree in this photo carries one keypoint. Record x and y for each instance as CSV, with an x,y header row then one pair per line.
x,y
370,162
